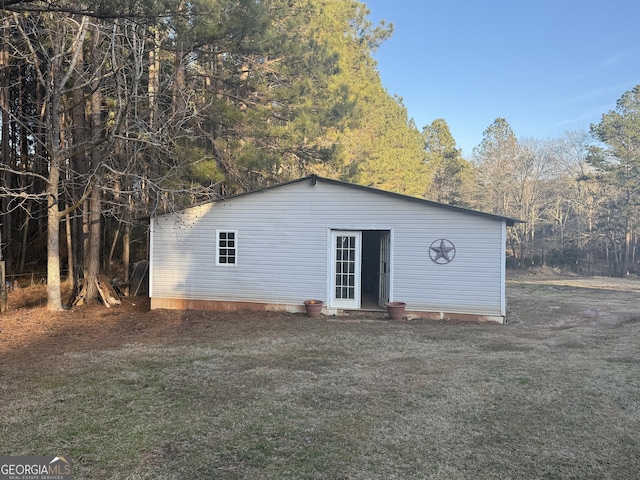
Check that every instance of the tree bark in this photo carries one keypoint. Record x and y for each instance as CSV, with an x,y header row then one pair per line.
x,y
6,182
154,77
54,118
179,104
114,243
92,256
126,239
627,253
70,255
80,164
25,238
54,296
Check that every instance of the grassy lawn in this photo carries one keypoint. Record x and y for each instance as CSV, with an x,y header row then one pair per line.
x,y
555,393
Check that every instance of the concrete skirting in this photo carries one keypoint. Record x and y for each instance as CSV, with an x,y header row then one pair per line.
x,y
220,306
224,306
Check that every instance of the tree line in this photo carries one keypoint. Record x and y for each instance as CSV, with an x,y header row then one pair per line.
x,y
114,111
579,195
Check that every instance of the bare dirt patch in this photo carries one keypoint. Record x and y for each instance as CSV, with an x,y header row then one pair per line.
x,y
559,302
29,331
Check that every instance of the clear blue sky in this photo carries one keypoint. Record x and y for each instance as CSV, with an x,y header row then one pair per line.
x,y
546,66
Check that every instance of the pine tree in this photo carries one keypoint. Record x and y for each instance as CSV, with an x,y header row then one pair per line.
x,y
618,165
448,169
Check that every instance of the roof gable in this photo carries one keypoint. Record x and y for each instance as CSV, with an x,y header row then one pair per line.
x,y
315,178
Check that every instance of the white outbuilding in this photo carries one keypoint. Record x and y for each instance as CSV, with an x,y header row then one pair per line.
x,y
350,246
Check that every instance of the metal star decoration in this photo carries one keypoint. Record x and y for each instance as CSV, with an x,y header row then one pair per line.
x,y
442,251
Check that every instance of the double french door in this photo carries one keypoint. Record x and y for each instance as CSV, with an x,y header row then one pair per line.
x,y
346,271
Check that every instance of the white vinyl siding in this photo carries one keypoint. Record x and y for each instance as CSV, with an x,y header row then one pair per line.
x,y
284,251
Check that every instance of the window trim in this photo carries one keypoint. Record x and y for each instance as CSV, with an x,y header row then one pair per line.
x,y
235,248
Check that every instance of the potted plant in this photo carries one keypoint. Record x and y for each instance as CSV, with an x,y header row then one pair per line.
x,y
396,310
313,308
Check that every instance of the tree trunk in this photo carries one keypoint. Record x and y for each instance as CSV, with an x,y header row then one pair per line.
x,y
613,258
76,227
179,104
25,239
92,255
154,77
54,296
126,239
6,181
114,243
57,80
70,256
627,253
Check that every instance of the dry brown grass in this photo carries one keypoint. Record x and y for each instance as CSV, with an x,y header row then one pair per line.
x,y
129,393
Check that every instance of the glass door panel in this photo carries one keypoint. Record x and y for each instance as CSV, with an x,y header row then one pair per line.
x,y
346,265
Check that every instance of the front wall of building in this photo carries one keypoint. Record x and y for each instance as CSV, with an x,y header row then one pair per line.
x,y
282,251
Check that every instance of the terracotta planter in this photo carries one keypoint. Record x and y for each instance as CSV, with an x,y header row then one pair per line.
x,y
396,310
313,308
